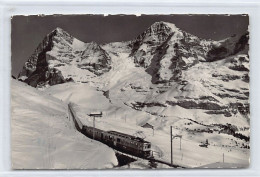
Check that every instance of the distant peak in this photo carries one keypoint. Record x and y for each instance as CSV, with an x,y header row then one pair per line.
x,y
58,30
161,22
167,24
59,34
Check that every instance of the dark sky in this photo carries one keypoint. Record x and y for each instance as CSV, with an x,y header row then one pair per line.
x,y
28,31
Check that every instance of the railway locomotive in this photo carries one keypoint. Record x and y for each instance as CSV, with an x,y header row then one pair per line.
x,y
123,142
120,141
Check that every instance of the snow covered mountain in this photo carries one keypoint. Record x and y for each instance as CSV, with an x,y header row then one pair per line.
x,y
165,50
167,54
59,51
177,62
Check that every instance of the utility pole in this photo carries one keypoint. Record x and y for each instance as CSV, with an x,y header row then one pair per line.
x,y
180,143
172,137
69,116
171,144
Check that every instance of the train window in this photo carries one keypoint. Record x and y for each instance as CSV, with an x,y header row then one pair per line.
x,y
149,146
118,140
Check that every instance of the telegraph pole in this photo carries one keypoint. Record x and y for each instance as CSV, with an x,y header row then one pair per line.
x,y
172,137
180,142
171,144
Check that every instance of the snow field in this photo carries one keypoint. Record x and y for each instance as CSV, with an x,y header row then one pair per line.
x,y
44,138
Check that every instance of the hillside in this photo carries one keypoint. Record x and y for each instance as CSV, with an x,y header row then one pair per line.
x,y
44,138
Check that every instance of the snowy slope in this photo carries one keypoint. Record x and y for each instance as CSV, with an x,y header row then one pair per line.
x,y
44,138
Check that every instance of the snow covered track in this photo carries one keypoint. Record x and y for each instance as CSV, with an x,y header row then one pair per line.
x,y
78,124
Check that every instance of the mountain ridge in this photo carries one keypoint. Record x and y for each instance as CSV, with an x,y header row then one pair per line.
x,y
146,47
165,54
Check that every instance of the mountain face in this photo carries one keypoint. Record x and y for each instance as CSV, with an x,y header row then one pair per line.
x,y
95,59
194,73
165,50
58,51
162,67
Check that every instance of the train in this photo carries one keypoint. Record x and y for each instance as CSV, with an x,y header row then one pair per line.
x,y
120,141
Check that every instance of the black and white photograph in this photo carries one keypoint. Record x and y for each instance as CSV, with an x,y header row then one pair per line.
x,y
124,92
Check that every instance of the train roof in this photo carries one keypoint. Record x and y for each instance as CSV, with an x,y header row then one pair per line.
x,y
128,136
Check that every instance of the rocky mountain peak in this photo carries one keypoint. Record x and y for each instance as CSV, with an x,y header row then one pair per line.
x,y
58,51
165,50
95,59
58,38
165,25
60,35
157,33
92,46
59,30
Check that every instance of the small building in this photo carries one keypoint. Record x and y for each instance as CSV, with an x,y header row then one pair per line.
x,y
147,125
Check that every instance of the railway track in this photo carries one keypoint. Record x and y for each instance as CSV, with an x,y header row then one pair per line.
x,y
78,125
